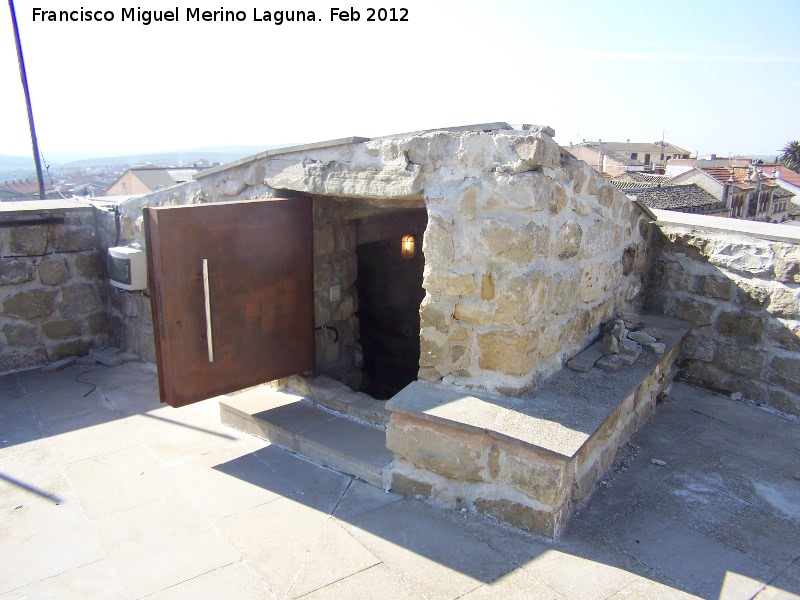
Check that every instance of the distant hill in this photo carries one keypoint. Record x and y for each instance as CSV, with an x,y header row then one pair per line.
x,y
16,167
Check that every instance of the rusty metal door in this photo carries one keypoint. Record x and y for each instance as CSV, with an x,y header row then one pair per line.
x,y
231,286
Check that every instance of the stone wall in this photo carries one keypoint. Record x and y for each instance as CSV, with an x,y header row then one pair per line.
x,y
52,285
739,285
527,250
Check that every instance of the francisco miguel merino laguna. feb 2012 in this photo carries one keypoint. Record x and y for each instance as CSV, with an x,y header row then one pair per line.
x,y
276,17
146,17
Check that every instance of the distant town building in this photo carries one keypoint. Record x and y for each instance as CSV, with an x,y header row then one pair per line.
x,y
144,180
22,188
615,158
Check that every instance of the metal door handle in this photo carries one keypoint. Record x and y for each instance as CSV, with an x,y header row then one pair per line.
x,y
207,297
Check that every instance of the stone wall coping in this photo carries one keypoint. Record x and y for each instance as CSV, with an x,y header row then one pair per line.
x,y
500,125
26,207
756,229
558,418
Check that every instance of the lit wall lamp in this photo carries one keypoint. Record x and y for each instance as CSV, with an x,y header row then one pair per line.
x,y
407,247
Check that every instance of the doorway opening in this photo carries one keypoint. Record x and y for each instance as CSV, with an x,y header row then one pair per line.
x,y
389,287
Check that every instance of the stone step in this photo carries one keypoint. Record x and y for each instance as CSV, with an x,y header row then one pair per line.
x,y
296,424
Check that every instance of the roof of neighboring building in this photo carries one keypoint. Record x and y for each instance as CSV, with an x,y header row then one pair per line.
x,y
645,147
782,193
675,197
633,180
744,178
784,174
18,187
624,160
159,178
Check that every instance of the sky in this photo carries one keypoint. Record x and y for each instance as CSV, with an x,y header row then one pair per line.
x,y
711,77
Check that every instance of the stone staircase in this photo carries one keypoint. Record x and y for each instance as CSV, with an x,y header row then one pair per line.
x,y
301,426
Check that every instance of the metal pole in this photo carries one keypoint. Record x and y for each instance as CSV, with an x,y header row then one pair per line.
x,y
24,76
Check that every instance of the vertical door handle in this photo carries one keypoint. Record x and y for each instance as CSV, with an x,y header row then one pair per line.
x,y
207,298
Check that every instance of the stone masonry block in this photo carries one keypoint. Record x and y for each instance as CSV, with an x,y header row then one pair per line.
x,y
785,333
16,270
742,361
699,347
53,271
62,329
31,304
785,371
742,325
508,352
697,312
28,240
446,451
79,299
21,334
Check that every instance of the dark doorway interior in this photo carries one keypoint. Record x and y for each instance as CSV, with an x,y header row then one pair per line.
x,y
389,294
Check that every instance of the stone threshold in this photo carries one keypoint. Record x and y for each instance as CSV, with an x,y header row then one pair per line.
x,y
294,423
527,461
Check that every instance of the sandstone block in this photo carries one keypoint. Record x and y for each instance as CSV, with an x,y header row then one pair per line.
x,y
30,240
785,371
628,260
449,455
743,361
599,238
90,265
508,352
448,283
31,304
697,312
527,518
785,303
751,294
109,356
741,325
437,242
605,195
431,314
79,299
469,203
72,238
698,347
487,287
472,313
786,333
517,245
542,480
71,348
22,359
558,201
715,287
16,270
53,271
21,334
99,323
566,292
787,264
785,401
324,241
62,329
432,353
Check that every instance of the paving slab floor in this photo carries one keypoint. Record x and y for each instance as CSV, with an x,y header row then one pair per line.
x,y
105,493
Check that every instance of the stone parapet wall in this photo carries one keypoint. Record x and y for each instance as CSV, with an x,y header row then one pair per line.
x,y
52,285
740,288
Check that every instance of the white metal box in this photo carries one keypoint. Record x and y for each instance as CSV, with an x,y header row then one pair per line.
x,y
127,267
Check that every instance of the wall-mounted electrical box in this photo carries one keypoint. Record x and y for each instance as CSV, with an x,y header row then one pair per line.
x,y
127,267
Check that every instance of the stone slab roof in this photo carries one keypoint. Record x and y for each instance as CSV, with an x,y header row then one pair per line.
x,y
675,197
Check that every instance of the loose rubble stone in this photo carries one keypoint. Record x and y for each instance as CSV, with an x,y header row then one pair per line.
x,y
658,462
59,364
640,337
108,356
587,359
610,344
736,396
609,363
655,347
629,347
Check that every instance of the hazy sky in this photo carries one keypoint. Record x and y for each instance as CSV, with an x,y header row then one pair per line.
x,y
719,77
